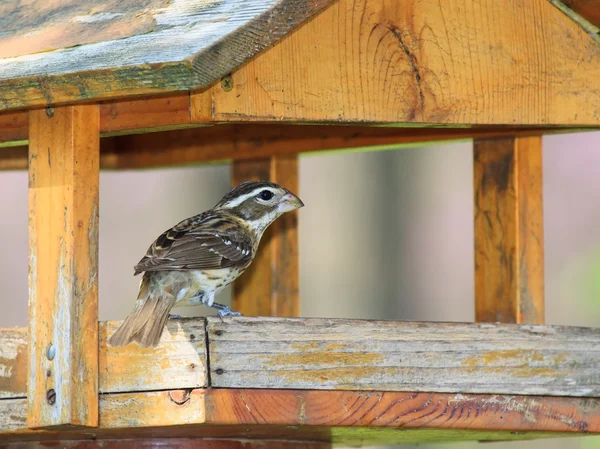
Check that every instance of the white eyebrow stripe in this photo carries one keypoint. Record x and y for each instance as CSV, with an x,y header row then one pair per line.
x,y
237,201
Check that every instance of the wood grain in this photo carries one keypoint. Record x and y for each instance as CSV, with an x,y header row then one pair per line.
x,y
239,142
343,354
509,233
63,266
412,61
180,359
270,286
82,51
341,417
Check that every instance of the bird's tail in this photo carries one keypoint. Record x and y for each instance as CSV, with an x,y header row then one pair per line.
x,y
145,324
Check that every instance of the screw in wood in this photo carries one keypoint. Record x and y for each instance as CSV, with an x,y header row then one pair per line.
x,y
51,352
227,83
51,396
219,371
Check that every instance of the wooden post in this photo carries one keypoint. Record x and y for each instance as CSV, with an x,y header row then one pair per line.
x,y
64,150
270,285
509,240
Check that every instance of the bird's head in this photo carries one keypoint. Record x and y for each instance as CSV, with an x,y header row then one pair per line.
x,y
259,203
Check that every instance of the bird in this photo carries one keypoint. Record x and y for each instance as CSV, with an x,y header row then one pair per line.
x,y
191,262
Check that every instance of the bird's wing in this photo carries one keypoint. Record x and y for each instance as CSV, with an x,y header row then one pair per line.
x,y
207,241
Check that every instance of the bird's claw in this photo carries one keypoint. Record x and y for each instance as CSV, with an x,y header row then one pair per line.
x,y
226,311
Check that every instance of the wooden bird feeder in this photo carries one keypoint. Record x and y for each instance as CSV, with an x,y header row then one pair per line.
x,y
86,85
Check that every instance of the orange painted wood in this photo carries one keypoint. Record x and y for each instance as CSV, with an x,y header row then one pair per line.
x,y
588,9
270,285
402,410
509,233
346,417
411,61
63,266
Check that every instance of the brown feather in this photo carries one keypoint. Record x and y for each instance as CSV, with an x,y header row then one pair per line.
x,y
197,244
146,322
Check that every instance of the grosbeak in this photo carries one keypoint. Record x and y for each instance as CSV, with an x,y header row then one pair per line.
x,y
198,257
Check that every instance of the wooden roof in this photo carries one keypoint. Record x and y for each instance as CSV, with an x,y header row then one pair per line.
x,y
66,50
531,63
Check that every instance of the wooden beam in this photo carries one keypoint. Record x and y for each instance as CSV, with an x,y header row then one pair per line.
x,y
384,355
88,52
239,142
509,234
116,117
454,358
270,286
343,417
63,266
410,61
180,359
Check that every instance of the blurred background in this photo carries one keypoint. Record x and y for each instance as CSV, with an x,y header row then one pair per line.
x,y
384,234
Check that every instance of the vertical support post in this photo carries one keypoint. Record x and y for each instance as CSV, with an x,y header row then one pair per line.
x,y
509,240
270,286
64,147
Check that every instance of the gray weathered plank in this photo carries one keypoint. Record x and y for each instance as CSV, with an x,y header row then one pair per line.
x,y
82,50
178,362
404,356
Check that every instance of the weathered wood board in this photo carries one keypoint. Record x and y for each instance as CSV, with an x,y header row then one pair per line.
x,y
64,161
81,50
391,356
178,361
414,61
342,417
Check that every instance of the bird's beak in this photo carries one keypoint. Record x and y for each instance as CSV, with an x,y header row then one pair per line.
x,y
290,202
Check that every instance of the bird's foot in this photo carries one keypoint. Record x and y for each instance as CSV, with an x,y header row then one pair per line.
x,y
226,311
174,315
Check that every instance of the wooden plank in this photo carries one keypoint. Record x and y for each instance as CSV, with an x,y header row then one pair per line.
x,y
341,417
509,234
343,354
82,51
180,359
270,286
240,142
411,61
63,266
116,117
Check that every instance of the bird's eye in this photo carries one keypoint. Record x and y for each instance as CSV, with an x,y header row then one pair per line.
x,y
266,195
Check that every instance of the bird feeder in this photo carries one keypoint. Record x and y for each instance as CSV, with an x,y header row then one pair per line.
x,y
136,84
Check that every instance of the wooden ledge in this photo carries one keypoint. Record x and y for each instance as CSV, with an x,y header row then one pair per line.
x,y
343,417
337,380
226,142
